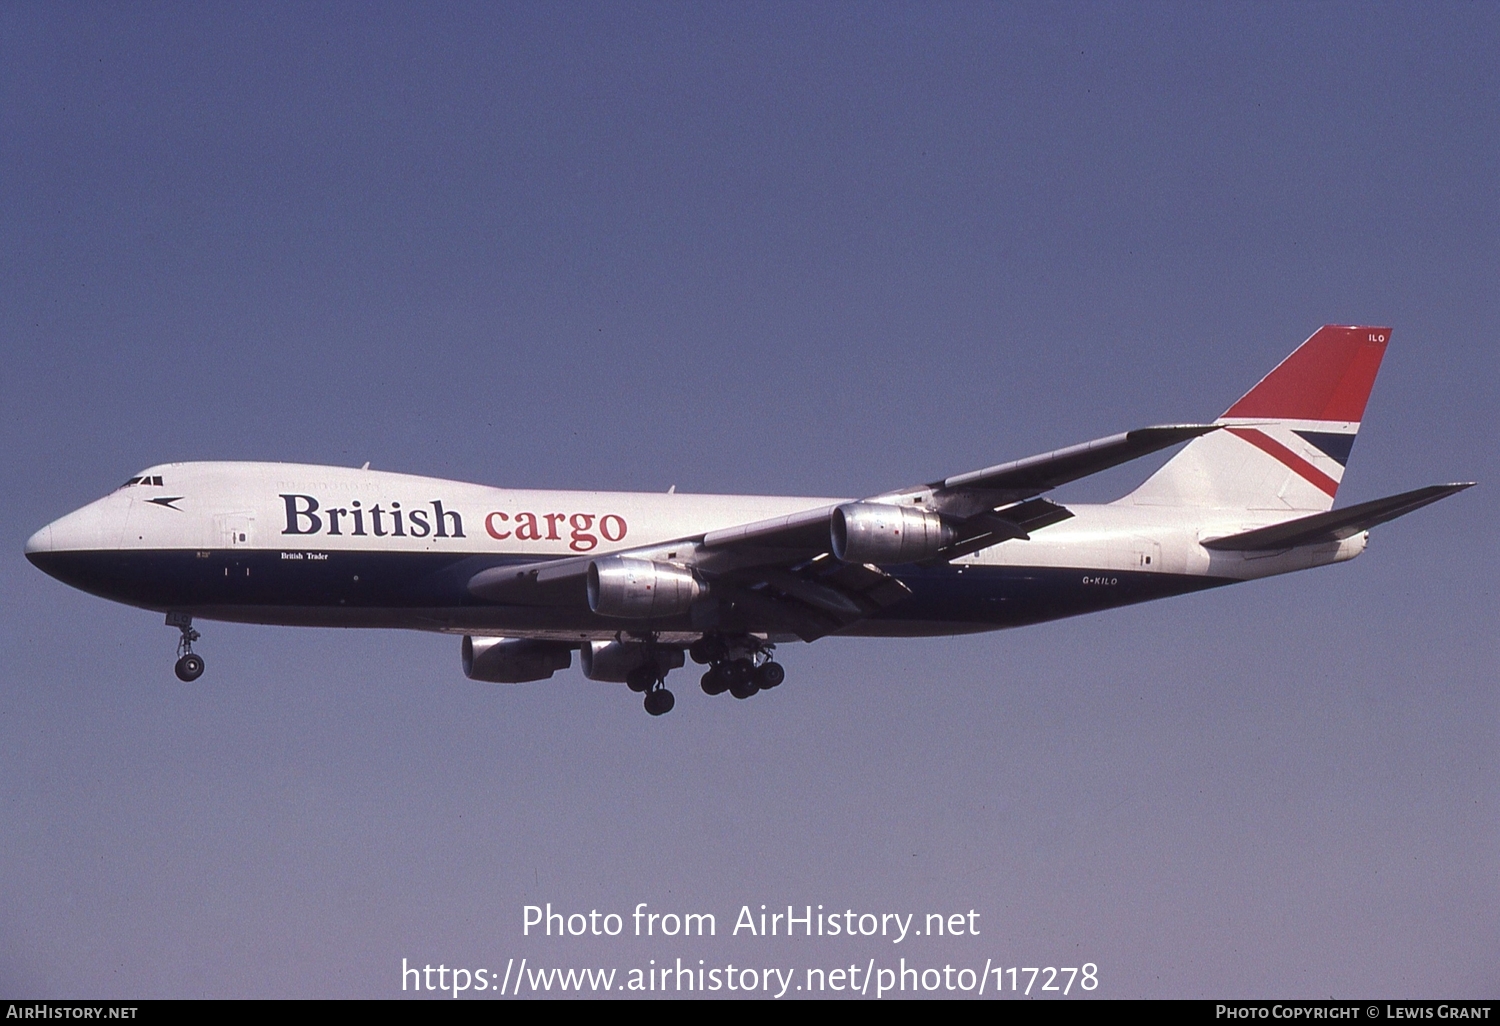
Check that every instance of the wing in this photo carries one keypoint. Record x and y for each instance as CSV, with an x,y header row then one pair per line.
x,y
782,572
999,503
992,487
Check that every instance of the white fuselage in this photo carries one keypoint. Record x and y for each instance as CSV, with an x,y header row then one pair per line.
x,y
289,543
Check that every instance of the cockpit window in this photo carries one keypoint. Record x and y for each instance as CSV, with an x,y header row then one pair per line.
x,y
155,479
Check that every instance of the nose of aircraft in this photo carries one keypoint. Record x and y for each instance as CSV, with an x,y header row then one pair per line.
x,y
80,549
39,544
92,528
40,549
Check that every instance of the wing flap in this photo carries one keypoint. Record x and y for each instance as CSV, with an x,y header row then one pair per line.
x,y
1337,524
818,597
982,530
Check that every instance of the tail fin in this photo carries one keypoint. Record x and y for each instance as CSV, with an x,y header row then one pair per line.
x,y
1286,442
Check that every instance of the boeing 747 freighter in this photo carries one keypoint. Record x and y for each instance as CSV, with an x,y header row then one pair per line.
x,y
637,582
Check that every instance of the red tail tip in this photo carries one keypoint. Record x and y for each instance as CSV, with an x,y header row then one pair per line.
x,y
1328,377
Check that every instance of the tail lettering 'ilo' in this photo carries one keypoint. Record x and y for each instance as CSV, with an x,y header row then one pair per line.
x,y
1286,442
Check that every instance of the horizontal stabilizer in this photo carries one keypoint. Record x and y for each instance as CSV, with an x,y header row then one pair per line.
x,y
1337,524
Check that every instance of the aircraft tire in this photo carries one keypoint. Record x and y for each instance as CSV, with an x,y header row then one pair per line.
x,y
742,682
660,702
715,681
769,675
640,679
189,668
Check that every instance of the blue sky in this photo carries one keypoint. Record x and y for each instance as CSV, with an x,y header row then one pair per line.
x,y
750,248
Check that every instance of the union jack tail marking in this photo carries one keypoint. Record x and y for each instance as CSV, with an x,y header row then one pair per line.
x,y
1286,441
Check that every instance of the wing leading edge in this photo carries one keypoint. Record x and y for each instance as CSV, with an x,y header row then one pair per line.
x,y
1021,479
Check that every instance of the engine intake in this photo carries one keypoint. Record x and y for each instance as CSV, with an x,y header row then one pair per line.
x,y
872,532
612,661
640,589
513,660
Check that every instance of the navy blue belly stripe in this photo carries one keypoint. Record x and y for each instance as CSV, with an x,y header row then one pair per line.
x,y
247,580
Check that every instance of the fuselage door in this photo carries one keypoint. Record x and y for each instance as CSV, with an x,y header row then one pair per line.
x,y
237,530
1147,554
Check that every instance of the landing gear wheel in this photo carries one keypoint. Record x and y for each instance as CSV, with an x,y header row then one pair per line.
x,y
701,651
715,681
189,667
659,702
742,682
640,679
769,675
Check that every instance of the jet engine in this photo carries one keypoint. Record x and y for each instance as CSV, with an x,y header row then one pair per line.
x,y
871,532
639,589
613,661
513,660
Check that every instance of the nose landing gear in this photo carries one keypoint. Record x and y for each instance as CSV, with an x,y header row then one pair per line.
x,y
189,665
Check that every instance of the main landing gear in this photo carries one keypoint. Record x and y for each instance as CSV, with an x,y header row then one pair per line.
x,y
740,665
189,666
659,701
